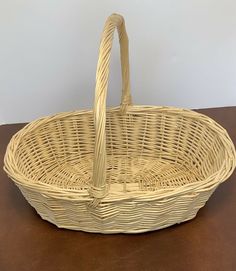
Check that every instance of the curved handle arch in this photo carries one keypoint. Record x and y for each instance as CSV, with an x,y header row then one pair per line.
x,y
98,188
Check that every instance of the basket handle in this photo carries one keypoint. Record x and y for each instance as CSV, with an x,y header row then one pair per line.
x,y
98,188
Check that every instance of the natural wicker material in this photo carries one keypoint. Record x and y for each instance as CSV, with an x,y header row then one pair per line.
x,y
128,169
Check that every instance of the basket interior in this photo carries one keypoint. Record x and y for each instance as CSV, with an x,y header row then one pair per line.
x,y
144,151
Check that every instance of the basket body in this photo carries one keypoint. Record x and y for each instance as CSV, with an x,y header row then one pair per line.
x,y
127,169
163,165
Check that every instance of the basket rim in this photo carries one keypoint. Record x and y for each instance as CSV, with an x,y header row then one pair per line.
x,y
48,190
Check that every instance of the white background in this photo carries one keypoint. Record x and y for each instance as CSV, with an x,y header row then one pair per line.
x,y
182,53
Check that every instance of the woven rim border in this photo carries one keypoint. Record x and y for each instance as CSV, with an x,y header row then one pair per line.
x,y
10,163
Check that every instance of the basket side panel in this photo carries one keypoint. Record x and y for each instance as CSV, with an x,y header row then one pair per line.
x,y
127,216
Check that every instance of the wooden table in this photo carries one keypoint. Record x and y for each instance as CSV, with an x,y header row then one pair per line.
x,y
206,243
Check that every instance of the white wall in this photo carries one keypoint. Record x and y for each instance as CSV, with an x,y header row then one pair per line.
x,y
182,53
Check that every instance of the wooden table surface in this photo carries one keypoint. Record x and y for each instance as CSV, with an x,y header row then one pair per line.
x,y
206,243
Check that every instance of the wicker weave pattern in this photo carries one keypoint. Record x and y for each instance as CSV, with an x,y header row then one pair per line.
x,y
98,188
126,169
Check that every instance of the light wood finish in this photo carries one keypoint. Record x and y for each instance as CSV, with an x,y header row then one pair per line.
x,y
125,169
98,189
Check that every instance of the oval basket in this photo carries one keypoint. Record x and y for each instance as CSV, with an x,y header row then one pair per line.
x,y
126,169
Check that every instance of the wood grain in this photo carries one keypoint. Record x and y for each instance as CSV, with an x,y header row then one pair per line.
x,y
206,243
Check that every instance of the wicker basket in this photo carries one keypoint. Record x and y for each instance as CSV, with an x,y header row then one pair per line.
x,y
126,169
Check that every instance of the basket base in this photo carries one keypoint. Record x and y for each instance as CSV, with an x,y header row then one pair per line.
x,y
115,231
123,173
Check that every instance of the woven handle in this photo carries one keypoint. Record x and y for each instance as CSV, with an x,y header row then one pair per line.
x,y
98,188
